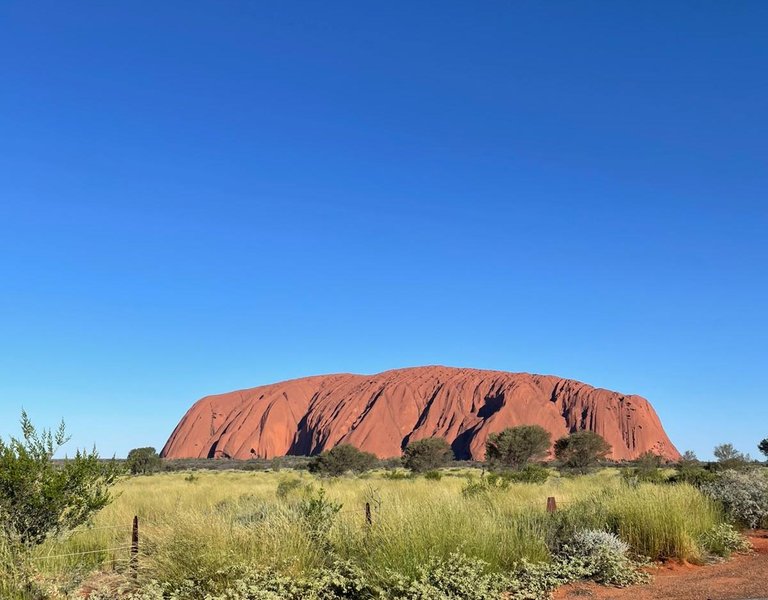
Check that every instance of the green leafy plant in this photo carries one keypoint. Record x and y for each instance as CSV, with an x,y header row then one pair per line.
x,y
286,486
647,469
581,450
142,461
729,458
744,494
457,577
39,499
763,447
529,474
515,447
428,454
343,459
485,483
396,474
318,514
605,558
723,540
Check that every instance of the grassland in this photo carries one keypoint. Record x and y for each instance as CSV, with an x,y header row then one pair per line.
x,y
203,526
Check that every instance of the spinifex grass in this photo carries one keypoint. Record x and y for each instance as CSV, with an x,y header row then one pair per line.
x,y
193,529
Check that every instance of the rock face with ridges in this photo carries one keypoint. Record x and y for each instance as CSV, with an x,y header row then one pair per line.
x,y
382,413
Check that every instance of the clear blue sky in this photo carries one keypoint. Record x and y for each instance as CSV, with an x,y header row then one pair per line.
x,y
201,196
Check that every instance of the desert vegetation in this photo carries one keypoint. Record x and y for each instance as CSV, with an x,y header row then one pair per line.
x,y
354,528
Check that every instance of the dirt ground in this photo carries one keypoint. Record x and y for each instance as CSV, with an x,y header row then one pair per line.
x,y
741,577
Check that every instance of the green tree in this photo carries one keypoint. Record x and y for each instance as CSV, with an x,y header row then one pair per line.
x,y
343,459
647,468
581,450
729,458
515,447
763,447
689,457
40,499
689,469
143,460
427,454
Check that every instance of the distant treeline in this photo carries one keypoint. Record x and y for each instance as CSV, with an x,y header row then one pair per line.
x,y
304,462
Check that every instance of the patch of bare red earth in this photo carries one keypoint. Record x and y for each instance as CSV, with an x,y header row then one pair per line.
x,y
742,577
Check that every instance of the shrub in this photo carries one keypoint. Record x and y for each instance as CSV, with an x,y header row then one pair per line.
x,y
286,486
342,459
529,474
729,458
646,469
433,475
604,557
689,456
39,499
142,461
515,447
593,555
396,474
744,494
340,580
427,455
318,514
581,450
693,474
486,483
763,447
459,577
723,540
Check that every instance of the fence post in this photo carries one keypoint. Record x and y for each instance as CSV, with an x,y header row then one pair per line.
x,y
135,548
368,518
551,504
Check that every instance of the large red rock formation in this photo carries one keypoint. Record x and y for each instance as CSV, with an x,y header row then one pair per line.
x,y
382,413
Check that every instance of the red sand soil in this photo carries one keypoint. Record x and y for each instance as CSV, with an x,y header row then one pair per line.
x,y
382,413
741,577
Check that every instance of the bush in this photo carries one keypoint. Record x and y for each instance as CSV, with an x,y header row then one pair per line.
x,y
341,580
744,494
286,486
695,475
433,475
647,469
459,577
729,458
397,474
342,459
318,514
39,499
605,558
142,461
529,474
593,555
723,540
763,447
581,450
427,455
515,447
486,483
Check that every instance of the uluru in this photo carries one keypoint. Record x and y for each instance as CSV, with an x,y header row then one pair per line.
x,y
382,413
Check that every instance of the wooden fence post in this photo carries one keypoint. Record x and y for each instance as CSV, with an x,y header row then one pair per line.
x,y
551,504
135,548
368,518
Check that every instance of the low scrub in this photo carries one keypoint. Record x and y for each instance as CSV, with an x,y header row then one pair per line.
x,y
744,494
723,540
427,539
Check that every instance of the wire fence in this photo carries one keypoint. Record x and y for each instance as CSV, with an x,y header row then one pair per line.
x,y
370,512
